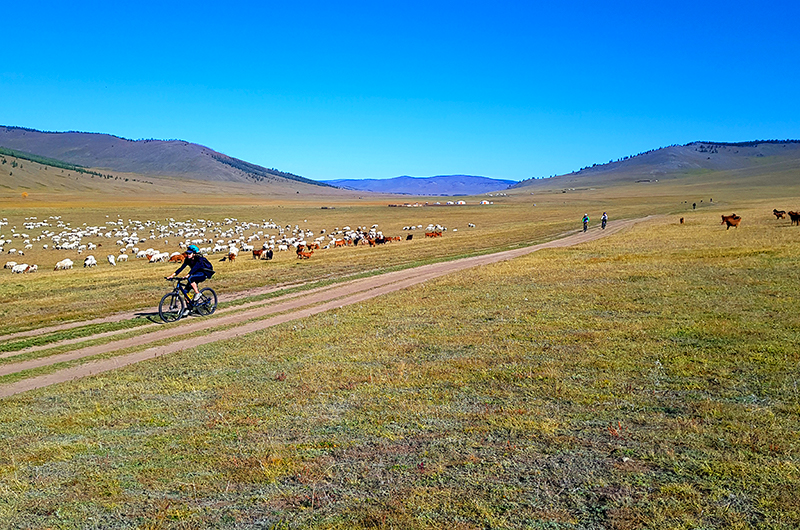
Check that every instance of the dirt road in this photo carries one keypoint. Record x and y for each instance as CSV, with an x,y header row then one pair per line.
x,y
245,318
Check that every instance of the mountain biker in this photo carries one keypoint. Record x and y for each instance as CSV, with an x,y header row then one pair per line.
x,y
585,221
200,269
604,220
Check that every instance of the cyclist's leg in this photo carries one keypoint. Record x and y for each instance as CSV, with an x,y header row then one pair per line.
x,y
193,280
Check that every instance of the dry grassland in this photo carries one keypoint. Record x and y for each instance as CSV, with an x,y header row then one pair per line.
x,y
47,297
647,380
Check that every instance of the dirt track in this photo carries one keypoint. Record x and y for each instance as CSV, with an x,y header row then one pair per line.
x,y
248,317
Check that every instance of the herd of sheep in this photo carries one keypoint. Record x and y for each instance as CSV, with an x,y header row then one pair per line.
x,y
229,236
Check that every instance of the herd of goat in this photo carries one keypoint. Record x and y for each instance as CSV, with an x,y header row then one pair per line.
x,y
228,237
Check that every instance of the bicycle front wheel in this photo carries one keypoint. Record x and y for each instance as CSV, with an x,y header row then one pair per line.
x,y
171,307
208,304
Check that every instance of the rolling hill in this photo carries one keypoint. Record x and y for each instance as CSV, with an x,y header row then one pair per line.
x,y
154,158
439,185
693,160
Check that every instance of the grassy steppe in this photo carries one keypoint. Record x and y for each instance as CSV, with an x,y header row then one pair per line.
x,y
522,218
647,380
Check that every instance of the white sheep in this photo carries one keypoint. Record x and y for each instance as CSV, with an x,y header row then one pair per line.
x,y
111,260
9,264
90,261
63,265
122,257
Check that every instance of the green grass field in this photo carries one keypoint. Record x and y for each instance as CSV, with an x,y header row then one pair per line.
x,y
647,380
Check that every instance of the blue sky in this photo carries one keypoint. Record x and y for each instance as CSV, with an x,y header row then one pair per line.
x,y
329,90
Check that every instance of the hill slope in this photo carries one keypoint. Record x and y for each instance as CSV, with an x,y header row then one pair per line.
x,y
681,161
170,158
439,185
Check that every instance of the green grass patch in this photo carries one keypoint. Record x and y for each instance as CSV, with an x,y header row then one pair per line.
x,y
642,381
74,333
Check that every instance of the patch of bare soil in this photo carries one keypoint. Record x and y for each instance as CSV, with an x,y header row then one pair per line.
x,y
257,315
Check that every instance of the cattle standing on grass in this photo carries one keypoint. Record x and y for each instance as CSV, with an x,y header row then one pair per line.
x,y
795,217
779,214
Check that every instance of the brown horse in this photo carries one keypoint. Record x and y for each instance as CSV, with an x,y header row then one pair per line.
x,y
731,220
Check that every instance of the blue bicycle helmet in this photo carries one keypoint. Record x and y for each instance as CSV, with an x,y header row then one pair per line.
x,y
193,249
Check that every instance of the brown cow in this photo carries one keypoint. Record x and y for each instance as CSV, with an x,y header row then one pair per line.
x,y
257,253
795,217
302,254
779,214
731,221
177,258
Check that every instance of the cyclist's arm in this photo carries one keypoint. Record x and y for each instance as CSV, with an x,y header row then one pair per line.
x,y
183,266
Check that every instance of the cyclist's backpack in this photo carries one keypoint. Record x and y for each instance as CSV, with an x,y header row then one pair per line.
x,y
205,266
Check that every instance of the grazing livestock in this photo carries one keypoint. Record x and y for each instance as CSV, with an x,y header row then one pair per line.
x,y
176,258
303,254
9,264
24,267
90,261
779,214
122,257
731,221
681,220
63,265
257,253
111,260
795,217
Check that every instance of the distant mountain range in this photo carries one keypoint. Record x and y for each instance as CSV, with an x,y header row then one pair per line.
x,y
160,158
439,185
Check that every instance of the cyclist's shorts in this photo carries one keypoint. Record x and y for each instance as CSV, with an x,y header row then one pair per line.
x,y
196,278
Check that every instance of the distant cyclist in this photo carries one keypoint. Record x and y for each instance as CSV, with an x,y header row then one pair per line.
x,y
200,269
585,222
604,220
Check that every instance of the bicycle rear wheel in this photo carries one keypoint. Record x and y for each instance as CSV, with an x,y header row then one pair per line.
x,y
171,307
209,303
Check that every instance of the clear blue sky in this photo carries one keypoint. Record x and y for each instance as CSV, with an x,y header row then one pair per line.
x,y
380,89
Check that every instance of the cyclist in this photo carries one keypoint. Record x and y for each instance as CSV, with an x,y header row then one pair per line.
x,y
200,269
604,220
585,221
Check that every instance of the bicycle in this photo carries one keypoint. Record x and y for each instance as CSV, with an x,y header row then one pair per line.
x,y
176,304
